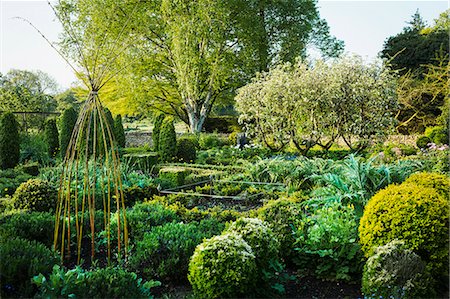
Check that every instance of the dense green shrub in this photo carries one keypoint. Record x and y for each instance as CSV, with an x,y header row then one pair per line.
x,y
110,120
10,180
173,176
35,195
32,226
422,142
157,122
51,137
211,140
186,151
220,124
141,161
223,267
165,251
167,144
119,133
136,194
326,242
99,283
31,168
439,182
438,135
68,120
396,272
20,261
9,141
33,148
281,216
413,213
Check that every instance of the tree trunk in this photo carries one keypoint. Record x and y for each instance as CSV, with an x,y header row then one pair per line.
x,y
197,113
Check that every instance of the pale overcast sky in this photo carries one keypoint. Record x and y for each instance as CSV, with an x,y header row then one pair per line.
x,y
362,25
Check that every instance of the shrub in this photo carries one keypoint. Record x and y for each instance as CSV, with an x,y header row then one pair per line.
x,y
68,120
173,176
221,124
396,272
210,140
119,133
141,161
35,195
186,151
135,194
416,214
222,267
438,135
156,130
10,179
167,144
9,141
99,283
34,148
51,137
326,241
21,260
439,182
281,215
165,251
34,226
29,168
422,142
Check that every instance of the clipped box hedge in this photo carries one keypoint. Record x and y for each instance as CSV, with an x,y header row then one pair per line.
x,y
141,161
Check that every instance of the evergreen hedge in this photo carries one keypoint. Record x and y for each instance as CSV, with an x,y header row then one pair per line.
x,y
9,141
51,137
68,120
167,140
156,129
118,131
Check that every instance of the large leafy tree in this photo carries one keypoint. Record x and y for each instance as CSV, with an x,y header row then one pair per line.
x,y
188,55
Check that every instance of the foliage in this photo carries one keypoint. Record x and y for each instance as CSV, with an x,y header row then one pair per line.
x,y
140,161
21,260
135,194
394,271
32,226
438,134
119,133
35,195
413,213
439,182
423,141
98,283
326,242
186,151
165,251
157,122
172,176
9,141
308,105
167,145
222,267
51,137
221,124
211,140
230,155
34,148
68,120
10,179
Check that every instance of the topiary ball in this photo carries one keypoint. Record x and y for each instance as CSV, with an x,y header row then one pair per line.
x,y
35,195
186,151
394,271
422,142
222,267
415,214
437,181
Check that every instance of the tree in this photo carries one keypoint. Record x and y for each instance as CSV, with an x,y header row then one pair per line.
x,y
68,121
118,131
188,55
9,141
51,137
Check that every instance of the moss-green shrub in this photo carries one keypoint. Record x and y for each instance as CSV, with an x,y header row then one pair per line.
x,y
394,271
51,137
157,122
135,194
68,120
422,142
141,161
439,182
167,146
281,215
438,135
173,176
31,168
20,261
35,195
415,214
165,251
32,226
10,180
119,133
9,141
222,267
186,151
33,148
211,140
220,124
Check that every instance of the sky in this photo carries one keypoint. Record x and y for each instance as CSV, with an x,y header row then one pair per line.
x,y
362,25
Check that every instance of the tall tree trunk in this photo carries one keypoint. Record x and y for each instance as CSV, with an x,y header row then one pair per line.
x,y
197,113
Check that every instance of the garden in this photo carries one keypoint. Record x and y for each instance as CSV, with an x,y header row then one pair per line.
x,y
329,179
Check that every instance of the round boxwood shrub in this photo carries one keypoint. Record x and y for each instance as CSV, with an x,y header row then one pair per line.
x,y
422,142
157,122
413,213
439,182
186,151
51,137
119,133
222,267
9,141
167,140
68,120
20,261
394,271
35,195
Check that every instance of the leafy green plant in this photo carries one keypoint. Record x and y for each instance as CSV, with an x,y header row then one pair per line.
x,y
10,180
9,141
68,120
34,148
186,151
327,243
210,140
51,137
439,182
119,133
394,271
35,195
167,144
21,260
423,141
157,122
438,135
